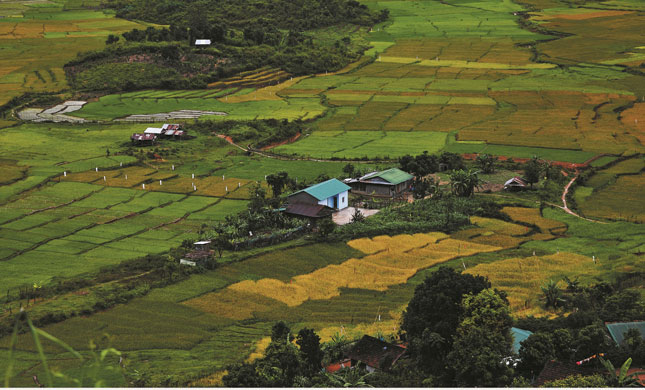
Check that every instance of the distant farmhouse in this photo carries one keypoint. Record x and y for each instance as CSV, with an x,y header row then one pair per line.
x,y
515,184
390,183
319,200
152,134
143,139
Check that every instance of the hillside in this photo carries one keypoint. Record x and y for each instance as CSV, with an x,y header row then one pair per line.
x,y
289,94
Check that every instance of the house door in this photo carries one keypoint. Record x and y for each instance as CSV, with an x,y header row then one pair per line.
x,y
335,202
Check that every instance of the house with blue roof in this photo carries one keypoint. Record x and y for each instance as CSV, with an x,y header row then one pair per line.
x,y
332,193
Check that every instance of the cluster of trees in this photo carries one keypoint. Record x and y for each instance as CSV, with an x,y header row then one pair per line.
x,y
285,363
284,14
445,214
256,133
459,334
458,329
244,35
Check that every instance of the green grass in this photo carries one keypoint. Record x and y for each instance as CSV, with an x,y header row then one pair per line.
x,y
121,105
574,156
357,144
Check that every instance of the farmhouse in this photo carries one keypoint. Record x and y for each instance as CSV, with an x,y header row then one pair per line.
x,y
375,354
331,193
515,184
143,139
201,253
390,182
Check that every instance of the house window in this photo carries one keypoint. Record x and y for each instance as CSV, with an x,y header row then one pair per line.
x,y
342,200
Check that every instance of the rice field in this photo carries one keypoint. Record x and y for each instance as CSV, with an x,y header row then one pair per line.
x,y
389,261
524,292
53,36
72,227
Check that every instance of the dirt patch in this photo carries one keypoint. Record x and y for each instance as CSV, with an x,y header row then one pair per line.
x,y
286,141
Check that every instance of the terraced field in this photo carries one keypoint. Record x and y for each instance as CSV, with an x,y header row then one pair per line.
x,y
38,38
69,228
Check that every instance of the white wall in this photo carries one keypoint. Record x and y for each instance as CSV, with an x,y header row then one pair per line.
x,y
343,203
343,200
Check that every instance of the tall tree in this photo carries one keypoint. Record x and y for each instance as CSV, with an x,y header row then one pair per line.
x,y
486,162
463,183
532,170
482,342
278,182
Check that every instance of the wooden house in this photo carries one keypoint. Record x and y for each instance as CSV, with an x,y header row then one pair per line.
x,y
375,354
388,183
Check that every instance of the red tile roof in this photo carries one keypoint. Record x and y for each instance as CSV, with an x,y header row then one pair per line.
x,y
338,366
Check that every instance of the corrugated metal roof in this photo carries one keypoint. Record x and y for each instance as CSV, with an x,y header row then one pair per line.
x,y
202,42
393,176
153,130
617,330
326,189
519,335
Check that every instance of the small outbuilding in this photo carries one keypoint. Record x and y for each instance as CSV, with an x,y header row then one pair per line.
x,y
331,193
515,184
389,183
375,354
202,42
202,246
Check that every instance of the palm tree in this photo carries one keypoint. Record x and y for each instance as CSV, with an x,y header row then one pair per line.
x,y
486,162
620,378
463,183
552,294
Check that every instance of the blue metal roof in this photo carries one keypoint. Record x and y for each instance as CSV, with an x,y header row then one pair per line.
x,y
519,335
617,330
326,189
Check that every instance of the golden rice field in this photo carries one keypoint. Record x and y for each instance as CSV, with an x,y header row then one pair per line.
x,y
521,278
532,216
389,261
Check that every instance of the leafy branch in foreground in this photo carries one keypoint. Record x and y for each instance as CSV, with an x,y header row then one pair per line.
x,y
92,371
